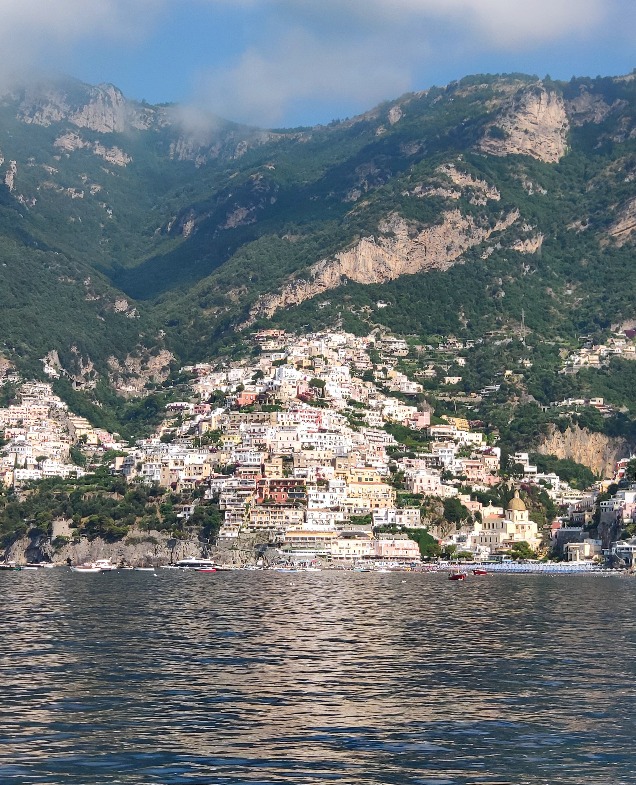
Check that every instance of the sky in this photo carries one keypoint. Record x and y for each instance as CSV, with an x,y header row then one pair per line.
x,y
284,63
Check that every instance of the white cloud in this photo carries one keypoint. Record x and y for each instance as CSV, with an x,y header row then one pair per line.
x,y
506,22
363,51
513,24
38,33
260,88
340,53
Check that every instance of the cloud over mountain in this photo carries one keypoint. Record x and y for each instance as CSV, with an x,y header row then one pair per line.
x,y
38,35
363,51
270,62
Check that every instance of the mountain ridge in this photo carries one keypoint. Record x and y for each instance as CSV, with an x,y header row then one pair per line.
x,y
203,229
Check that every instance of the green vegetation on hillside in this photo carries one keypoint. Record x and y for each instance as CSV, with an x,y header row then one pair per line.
x,y
100,505
193,233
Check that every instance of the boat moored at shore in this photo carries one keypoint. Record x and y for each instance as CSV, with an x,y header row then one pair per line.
x,y
86,568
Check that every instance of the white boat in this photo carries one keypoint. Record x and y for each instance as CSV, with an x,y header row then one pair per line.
x,y
144,569
105,565
192,563
86,568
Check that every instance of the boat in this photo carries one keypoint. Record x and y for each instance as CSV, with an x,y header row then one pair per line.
x,y
456,575
105,565
480,571
192,563
10,566
144,569
86,568
205,569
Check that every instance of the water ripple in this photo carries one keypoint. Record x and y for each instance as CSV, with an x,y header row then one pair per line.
x,y
332,677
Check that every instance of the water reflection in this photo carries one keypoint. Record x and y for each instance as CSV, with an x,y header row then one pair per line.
x,y
306,678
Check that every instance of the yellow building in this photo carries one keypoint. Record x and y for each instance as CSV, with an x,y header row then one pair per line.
x,y
459,422
501,532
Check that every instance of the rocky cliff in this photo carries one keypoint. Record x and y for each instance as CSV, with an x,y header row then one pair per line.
x,y
623,228
398,250
534,123
130,376
594,450
102,108
139,549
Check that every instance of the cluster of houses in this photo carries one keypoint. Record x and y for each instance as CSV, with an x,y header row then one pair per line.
x,y
39,432
298,447
569,405
591,355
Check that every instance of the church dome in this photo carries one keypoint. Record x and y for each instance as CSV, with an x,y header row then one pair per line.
x,y
516,503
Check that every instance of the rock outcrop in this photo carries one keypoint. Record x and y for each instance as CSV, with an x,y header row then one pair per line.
x,y
534,123
102,108
623,228
528,245
9,176
594,450
589,107
71,141
479,191
130,376
138,548
398,250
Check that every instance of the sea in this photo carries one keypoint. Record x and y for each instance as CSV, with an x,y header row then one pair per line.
x,y
263,677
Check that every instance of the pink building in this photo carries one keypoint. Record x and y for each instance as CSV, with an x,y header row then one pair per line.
x,y
396,547
420,420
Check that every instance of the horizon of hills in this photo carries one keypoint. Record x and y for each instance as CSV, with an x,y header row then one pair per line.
x,y
131,244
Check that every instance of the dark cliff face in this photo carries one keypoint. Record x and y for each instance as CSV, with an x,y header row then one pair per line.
x,y
198,224
609,532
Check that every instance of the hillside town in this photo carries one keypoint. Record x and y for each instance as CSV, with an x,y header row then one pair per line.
x,y
314,449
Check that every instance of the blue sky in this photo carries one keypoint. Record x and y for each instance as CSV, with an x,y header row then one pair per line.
x,y
300,62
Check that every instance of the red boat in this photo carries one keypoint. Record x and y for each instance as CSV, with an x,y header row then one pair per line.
x,y
457,576
205,569
480,571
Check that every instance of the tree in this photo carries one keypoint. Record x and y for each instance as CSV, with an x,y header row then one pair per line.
x,y
630,471
429,546
455,512
318,384
521,550
77,456
361,520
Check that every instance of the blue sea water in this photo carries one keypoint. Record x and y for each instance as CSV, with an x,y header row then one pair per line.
x,y
352,678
